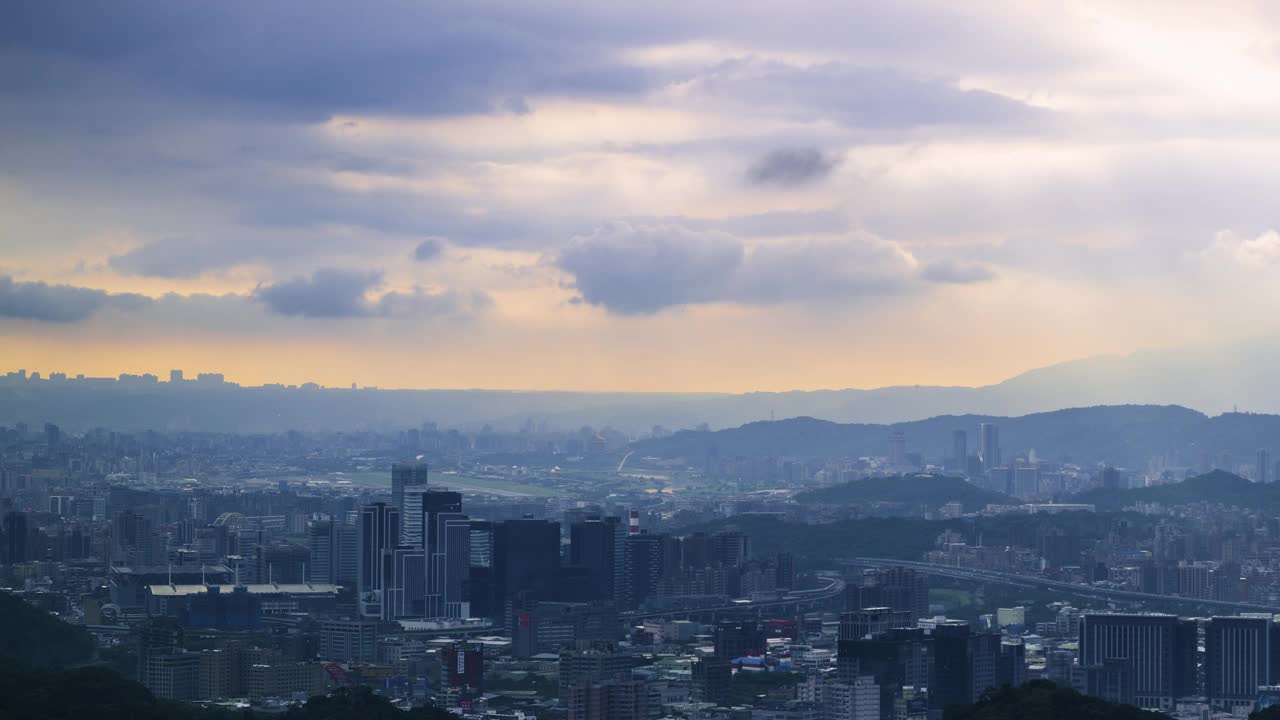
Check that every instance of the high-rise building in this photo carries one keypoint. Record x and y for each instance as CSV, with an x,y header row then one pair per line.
x,y
959,450
175,376
1111,479
379,536
597,544
712,676
729,547
1264,466
897,449
897,588
322,540
953,664
409,479
348,640
619,698
526,558
892,660
642,568
1159,651
405,592
739,638
448,554
989,445
1237,659
593,662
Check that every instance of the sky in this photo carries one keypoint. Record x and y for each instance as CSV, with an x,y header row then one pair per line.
x,y
656,196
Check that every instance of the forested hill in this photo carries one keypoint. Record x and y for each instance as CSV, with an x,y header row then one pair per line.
x,y
1123,435
1214,487
32,637
930,490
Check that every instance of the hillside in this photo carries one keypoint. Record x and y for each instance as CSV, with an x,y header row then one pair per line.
x,y
930,490
1121,435
1043,700
1217,487
34,638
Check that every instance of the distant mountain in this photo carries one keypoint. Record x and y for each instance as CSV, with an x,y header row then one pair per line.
x,y
1125,435
1214,487
930,490
1213,380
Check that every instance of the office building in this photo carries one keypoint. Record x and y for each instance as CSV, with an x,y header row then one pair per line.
x,y
1159,650
379,536
1262,471
348,641
959,450
618,698
1237,659
448,557
1112,479
526,560
597,545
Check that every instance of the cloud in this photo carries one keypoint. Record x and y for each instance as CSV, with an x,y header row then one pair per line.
x,y
176,258
329,292
641,269
428,249
956,272
339,293
854,95
59,303
1258,252
631,269
791,167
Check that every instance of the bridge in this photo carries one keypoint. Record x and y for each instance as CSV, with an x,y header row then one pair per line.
x,y
795,601
1089,591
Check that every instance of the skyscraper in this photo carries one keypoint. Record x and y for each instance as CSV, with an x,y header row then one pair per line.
x,y
989,445
1111,478
526,558
897,448
322,541
1264,466
596,544
448,548
1159,652
642,563
1237,659
959,450
409,478
379,536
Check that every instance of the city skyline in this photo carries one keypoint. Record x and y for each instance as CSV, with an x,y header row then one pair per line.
x,y
647,198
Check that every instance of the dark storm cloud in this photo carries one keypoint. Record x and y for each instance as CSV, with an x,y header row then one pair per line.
x,y
631,269
791,167
339,293
428,249
59,303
